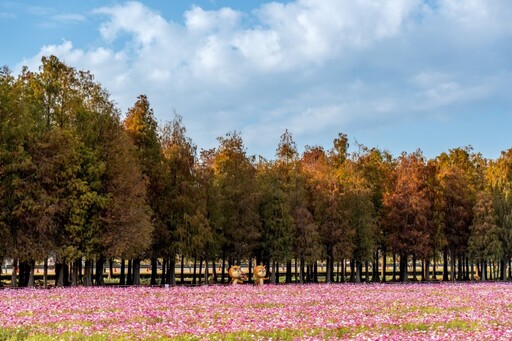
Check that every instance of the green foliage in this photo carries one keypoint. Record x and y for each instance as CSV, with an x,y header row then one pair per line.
x,y
235,179
76,182
484,243
56,153
276,220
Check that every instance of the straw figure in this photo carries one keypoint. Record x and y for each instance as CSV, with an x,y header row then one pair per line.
x,y
259,274
237,275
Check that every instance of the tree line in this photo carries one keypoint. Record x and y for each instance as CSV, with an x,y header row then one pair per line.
x,y
82,185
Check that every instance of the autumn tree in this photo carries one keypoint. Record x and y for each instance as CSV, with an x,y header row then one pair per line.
x,y
185,206
210,195
460,179
58,153
407,211
327,206
499,183
275,217
376,167
235,178
484,241
357,201
142,127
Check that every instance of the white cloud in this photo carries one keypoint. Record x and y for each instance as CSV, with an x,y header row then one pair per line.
x,y
146,26
200,21
319,30
315,67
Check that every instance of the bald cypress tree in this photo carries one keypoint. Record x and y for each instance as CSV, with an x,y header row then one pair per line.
x,y
235,178
142,128
407,211
484,241
185,200
63,141
275,218
499,182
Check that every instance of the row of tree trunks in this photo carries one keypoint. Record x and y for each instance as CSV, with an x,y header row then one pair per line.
x,y
457,267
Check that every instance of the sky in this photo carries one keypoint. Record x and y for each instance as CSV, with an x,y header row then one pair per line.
x,y
398,75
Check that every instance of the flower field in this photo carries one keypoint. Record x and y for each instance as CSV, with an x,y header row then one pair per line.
x,y
285,312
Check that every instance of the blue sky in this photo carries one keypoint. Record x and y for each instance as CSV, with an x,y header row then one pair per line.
x,y
393,74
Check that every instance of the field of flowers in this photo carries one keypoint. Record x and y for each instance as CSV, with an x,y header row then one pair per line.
x,y
285,312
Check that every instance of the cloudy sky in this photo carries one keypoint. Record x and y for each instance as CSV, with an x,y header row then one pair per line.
x,y
393,74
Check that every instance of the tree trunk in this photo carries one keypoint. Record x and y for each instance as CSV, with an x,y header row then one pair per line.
x,y
434,268
200,270
182,275
98,278
425,265
359,271
65,275
122,276
445,265
154,269
31,282
328,263
87,274
288,272
376,271
338,268
414,278
74,273
223,267
278,272
163,275
452,267
273,274
249,274
384,266
129,275
366,272
214,271
14,278
301,271
45,272
343,278
315,272
460,274
206,269
403,268
171,277
110,269
59,274
352,271
503,268
295,271
136,271
194,273
394,267
22,274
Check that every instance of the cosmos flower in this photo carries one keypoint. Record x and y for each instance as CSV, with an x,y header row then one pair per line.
x,y
322,311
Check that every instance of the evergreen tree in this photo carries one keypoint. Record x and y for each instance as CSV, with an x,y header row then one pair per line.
x,y
458,176
235,177
484,243
499,180
276,220
141,126
186,210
